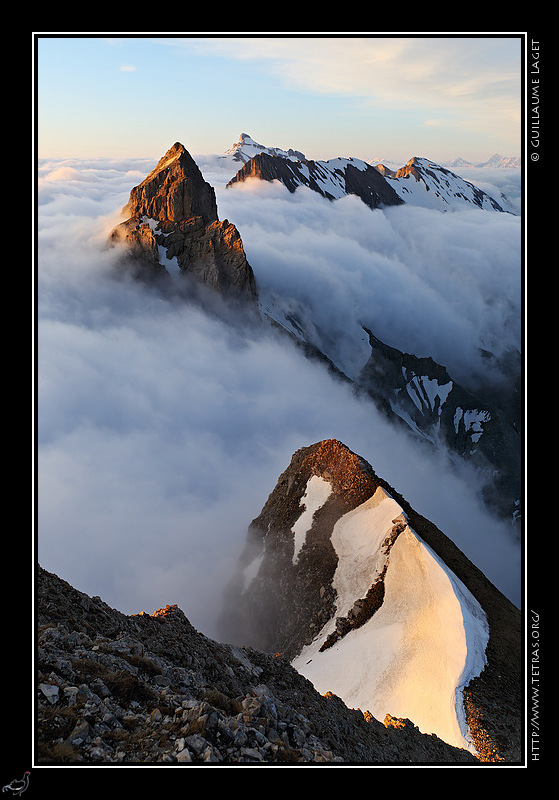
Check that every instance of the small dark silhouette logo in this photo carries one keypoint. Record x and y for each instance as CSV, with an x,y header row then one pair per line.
x,y
17,787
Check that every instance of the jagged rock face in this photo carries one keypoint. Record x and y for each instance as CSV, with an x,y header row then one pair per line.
x,y
174,191
174,227
332,179
337,562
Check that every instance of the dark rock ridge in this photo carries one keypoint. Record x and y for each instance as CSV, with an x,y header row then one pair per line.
x,y
332,179
149,688
481,431
173,226
287,604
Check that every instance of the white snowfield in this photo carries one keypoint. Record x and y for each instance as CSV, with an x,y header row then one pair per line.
x,y
425,643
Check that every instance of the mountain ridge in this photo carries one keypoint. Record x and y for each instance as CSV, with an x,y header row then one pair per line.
x,y
434,186
449,188
331,179
246,146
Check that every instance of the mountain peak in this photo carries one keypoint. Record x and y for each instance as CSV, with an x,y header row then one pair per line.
x,y
437,187
174,191
173,226
246,148
371,601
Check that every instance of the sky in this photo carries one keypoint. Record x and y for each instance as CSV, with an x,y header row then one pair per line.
x,y
365,96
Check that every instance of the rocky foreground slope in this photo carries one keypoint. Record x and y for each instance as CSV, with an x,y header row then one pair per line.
x,y
149,688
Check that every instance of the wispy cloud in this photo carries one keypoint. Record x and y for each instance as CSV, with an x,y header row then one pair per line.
x,y
472,80
128,68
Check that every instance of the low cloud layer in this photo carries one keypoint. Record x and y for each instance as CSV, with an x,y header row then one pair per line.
x,y
162,429
428,283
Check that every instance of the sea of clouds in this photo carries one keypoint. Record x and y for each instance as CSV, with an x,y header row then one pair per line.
x,y
163,425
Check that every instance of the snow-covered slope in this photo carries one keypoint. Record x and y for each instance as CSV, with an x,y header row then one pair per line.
x,y
412,658
424,183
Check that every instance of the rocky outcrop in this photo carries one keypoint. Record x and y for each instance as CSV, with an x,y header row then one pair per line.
x,y
331,179
149,688
173,227
174,191
285,596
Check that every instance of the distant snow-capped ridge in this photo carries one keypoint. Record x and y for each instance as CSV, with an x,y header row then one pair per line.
x,y
425,183
246,148
495,162
420,182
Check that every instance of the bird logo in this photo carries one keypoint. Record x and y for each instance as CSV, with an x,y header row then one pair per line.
x,y
17,787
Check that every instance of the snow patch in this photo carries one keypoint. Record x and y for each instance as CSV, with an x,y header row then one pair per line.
x,y
316,494
473,420
170,264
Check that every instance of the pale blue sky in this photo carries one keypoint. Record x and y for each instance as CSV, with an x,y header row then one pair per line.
x,y
340,95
